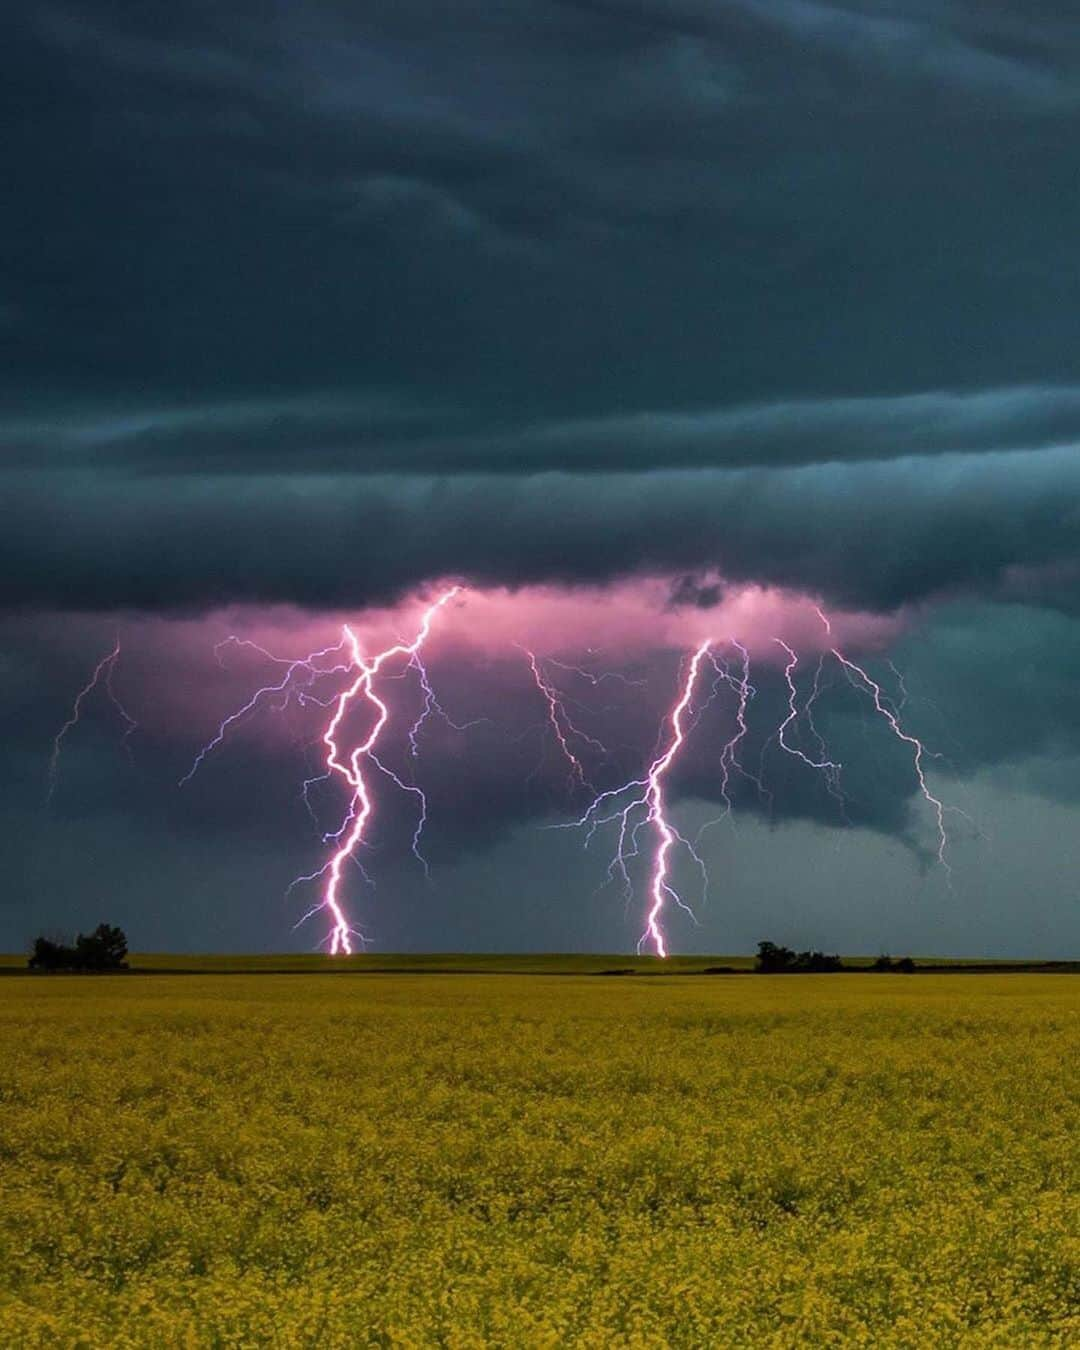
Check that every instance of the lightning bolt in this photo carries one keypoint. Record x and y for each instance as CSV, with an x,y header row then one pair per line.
x,y
349,769
597,679
659,887
284,686
650,797
825,765
901,703
432,706
729,755
832,777
102,675
130,724
421,819
893,721
561,725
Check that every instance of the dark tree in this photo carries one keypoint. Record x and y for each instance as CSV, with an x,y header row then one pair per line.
x,y
49,955
818,962
775,960
104,949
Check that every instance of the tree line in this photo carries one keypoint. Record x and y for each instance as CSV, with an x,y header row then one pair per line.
x,y
103,949
773,959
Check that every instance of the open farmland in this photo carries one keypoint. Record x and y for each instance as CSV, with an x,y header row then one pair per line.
x,y
545,1159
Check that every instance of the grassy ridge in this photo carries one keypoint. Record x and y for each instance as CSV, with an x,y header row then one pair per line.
x,y
461,1161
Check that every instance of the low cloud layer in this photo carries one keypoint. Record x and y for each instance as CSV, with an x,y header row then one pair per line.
x,y
874,536
328,434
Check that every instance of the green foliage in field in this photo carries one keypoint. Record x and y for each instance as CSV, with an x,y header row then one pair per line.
x,y
532,1161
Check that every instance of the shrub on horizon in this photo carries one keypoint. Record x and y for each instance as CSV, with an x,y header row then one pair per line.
x,y
776,960
103,949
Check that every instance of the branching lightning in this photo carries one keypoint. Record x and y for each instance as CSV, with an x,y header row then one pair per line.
x,y
103,676
660,888
649,798
432,706
561,726
730,761
296,682
285,685
350,687
827,766
892,719
360,805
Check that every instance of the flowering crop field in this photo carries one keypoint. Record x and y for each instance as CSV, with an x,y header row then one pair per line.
x,y
533,1160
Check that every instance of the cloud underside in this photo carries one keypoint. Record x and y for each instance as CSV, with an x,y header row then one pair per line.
x,y
877,535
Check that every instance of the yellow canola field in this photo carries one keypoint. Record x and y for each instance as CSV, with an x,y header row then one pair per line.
x,y
414,1160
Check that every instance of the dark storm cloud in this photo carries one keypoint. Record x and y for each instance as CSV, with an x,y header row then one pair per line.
x,y
878,535
707,199
616,239
333,433
607,238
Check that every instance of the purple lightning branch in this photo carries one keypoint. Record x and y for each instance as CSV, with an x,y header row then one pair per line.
x,y
562,727
431,707
918,749
304,663
730,762
103,676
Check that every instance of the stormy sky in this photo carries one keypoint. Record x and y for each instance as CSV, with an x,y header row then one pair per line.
x,y
683,313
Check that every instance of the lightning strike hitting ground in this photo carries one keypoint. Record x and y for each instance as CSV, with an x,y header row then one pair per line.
x,y
650,797
296,682
360,804
659,888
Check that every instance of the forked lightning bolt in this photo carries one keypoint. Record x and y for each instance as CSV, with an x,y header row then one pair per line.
x,y
730,761
660,888
102,675
918,749
649,796
285,686
297,680
349,768
561,725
